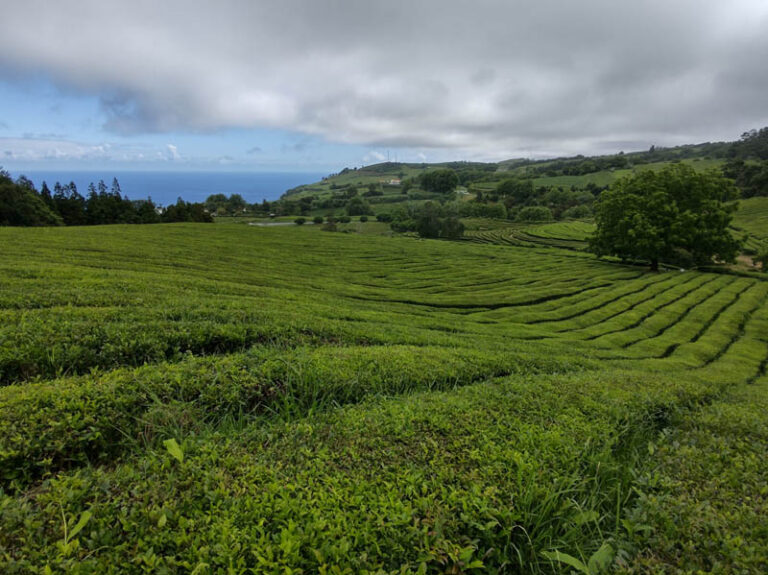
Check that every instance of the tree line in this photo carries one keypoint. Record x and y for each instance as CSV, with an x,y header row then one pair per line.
x,y
21,204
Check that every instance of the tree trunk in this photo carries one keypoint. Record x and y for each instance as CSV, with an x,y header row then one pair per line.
x,y
654,265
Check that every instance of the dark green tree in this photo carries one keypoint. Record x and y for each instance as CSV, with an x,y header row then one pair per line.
x,y
434,221
214,202
47,197
761,258
357,206
439,181
21,205
671,215
535,214
183,211
70,204
236,204
519,191
753,144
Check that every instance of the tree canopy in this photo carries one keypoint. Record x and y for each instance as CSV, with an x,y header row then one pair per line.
x,y
20,205
439,181
675,215
753,144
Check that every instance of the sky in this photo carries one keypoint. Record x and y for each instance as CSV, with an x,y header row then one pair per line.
x,y
319,85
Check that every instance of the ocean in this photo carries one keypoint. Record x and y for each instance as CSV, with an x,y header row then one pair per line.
x,y
165,187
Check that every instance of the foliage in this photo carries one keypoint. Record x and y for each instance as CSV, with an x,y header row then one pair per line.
x,y
753,144
358,207
221,204
577,213
651,214
21,205
429,220
517,190
702,505
183,211
750,219
306,403
534,214
441,181
751,178
761,259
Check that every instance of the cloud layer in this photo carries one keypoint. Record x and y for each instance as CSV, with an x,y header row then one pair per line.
x,y
488,78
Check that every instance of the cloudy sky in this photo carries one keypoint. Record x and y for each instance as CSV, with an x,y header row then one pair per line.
x,y
323,84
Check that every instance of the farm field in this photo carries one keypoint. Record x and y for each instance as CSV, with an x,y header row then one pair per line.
x,y
752,218
566,235
194,398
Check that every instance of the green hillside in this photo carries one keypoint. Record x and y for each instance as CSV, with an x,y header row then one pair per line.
x,y
566,187
752,218
241,399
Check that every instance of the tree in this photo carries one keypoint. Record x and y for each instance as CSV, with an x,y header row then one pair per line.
x,y
236,204
439,181
146,211
358,207
761,258
20,204
661,216
183,211
535,214
433,221
753,144
519,191
69,204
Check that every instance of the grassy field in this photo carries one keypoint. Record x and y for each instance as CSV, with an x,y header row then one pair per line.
x,y
239,399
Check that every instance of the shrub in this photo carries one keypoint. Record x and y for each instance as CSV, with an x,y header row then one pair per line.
x,y
299,221
535,214
318,219
577,212
762,259
363,219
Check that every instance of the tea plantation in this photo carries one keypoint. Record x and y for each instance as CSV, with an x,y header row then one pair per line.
x,y
191,398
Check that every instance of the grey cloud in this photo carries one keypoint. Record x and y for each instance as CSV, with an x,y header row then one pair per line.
x,y
254,150
491,77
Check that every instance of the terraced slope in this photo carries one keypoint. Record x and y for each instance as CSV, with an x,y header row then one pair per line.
x,y
565,235
226,399
752,218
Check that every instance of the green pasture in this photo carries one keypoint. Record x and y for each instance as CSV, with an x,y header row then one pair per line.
x,y
191,398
